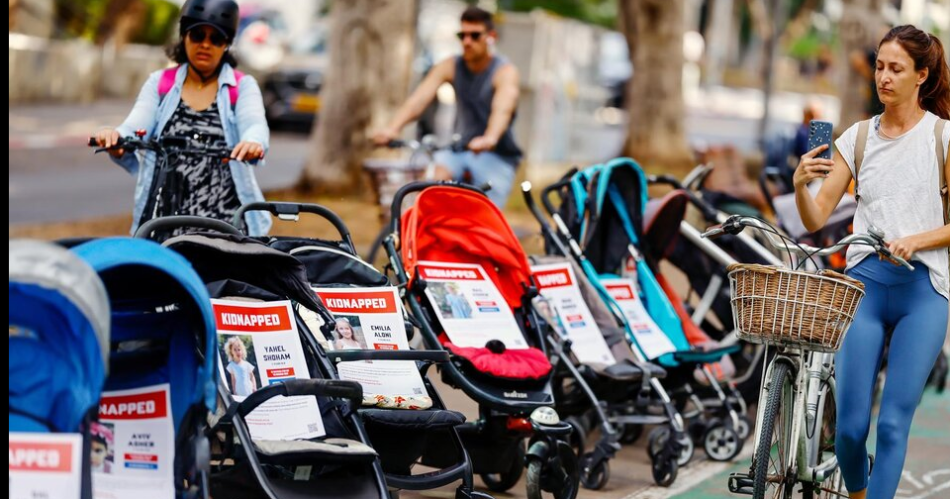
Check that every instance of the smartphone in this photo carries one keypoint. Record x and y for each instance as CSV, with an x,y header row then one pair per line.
x,y
819,132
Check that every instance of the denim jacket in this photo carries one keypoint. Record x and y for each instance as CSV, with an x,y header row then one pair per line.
x,y
245,122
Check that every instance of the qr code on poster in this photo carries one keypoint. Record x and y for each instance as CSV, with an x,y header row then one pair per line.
x,y
313,428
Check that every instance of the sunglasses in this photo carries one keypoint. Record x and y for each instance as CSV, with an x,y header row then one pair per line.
x,y
199,35
474,35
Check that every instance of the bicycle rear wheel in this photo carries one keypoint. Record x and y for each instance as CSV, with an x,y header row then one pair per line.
x,y
772,473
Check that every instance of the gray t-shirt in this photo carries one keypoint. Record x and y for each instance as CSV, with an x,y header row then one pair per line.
x,y
899,190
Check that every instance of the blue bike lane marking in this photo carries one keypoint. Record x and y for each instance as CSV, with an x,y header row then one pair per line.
x,y
926,471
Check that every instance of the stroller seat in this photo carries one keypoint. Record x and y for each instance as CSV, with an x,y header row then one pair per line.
x,y
627,370
295,451
426,419
524,365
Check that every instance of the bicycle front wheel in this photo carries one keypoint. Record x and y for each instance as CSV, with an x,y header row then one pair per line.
x,y
772,473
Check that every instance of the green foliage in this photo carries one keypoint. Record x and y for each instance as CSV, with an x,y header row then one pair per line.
x,y
599,12
86,18
159,23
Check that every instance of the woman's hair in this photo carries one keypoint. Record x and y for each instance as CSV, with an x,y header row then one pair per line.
x,y
234,340
176,52
927,52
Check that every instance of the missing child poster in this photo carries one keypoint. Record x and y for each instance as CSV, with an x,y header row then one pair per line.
x,y
653,342
45,465
563,306
372,319
470,307
259,345
133,444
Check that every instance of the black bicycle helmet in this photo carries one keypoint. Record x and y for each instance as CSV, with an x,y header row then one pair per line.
x,y
220,14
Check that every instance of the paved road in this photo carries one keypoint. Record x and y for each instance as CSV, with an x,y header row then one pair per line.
x,y
54,177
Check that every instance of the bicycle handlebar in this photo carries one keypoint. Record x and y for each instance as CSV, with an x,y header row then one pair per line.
x,y
173,144
875,238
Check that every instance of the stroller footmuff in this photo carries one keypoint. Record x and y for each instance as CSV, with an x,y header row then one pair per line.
x,y
405,419
160,386
469,284
59,342
298,435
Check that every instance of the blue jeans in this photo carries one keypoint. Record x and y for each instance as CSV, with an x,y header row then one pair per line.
x,y
485,168
905,301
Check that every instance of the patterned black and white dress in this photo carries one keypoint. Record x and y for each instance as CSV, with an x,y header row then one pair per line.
x,y
196,184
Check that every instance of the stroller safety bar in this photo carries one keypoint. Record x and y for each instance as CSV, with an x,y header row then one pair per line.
x,y
316,387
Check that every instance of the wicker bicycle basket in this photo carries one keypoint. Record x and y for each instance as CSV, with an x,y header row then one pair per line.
x,y
782,307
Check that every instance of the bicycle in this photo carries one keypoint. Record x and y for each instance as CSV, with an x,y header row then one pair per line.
x,y
795,427
168,189
420,166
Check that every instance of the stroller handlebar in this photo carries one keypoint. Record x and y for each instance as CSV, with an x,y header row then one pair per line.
x,y
146,230
417,187
291,212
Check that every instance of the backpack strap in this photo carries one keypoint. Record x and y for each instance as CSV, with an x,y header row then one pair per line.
x,y
941,167
167,81
234,90
860,143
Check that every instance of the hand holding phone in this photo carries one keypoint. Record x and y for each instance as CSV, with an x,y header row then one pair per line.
x,y
819,133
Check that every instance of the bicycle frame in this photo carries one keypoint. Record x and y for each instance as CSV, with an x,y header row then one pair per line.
x,y
812,371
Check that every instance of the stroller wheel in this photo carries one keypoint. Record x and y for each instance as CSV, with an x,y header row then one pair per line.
x,y
664,471
559,475
578,436
501,482
631,433
594,476
745,427
722,443
659,439
697,428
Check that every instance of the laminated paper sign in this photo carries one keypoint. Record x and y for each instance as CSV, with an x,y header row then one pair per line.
x,y
259,345
45,465
649,336
565,305
133,444
470,307
372,319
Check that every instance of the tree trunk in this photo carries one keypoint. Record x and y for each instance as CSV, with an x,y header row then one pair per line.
x,y
654,31
371,49
861,22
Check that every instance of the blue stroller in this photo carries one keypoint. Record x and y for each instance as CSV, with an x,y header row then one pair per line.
x,y
59,339
601,222
163,333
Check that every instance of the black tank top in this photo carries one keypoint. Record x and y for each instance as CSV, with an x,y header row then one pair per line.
x,y
474,93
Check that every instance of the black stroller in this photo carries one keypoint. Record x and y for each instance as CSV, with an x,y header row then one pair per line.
x,y
403,438
338,464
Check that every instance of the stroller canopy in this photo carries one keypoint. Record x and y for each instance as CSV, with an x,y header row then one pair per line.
x,y
223,257
139,276
449,224
59,338
615,195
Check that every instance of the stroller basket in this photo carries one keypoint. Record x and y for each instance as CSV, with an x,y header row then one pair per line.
x,y
782,307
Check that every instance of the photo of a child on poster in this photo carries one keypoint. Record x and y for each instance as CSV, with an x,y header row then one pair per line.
x,y
452,303
237,357
348,333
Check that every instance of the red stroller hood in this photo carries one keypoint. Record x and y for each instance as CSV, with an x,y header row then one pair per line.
x,y
662,222
449,224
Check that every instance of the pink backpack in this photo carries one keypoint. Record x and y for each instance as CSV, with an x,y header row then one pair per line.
x,y
167,81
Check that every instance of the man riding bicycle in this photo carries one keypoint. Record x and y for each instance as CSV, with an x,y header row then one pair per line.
x,y
486,92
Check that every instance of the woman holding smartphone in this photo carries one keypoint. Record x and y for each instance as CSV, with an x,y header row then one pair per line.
x,y
898,155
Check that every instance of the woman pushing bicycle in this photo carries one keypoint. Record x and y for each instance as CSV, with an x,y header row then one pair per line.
x,y
214,107
898,161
